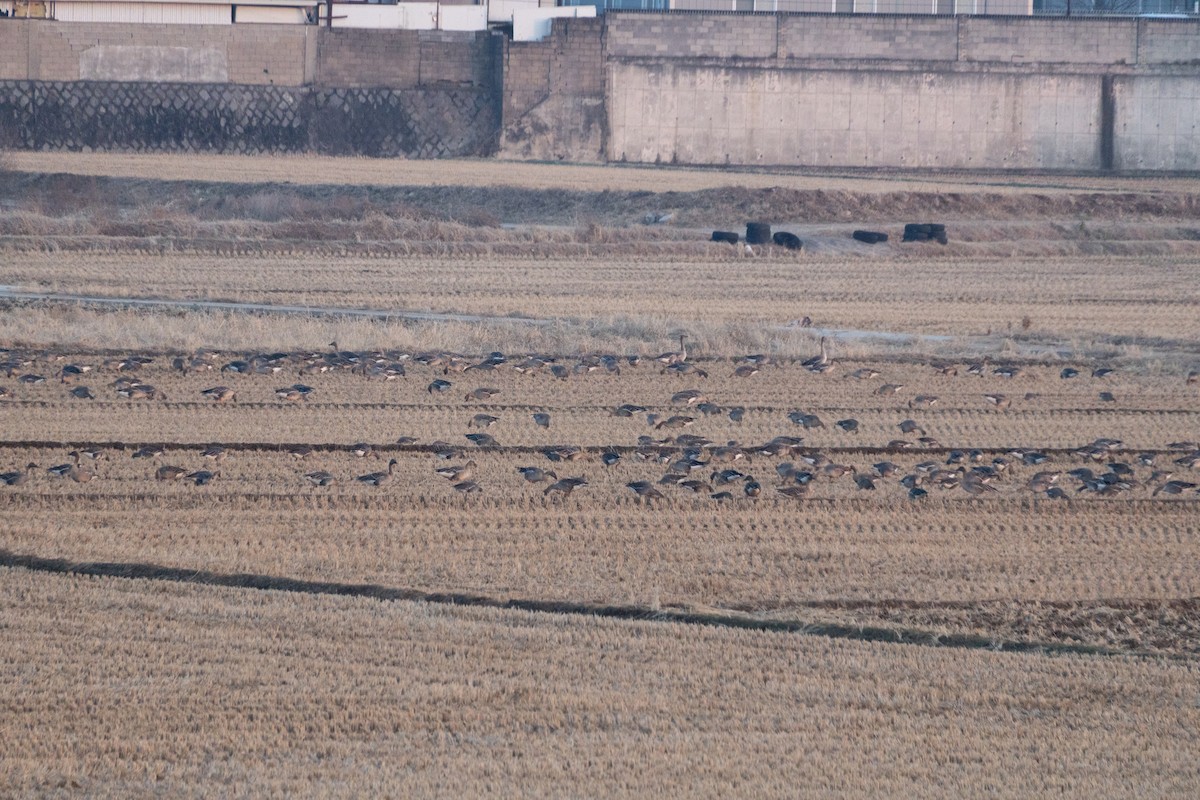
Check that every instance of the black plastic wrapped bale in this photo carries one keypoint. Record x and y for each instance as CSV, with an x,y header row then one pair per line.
x,y
924,231
870,237
758,232
789,240
725,236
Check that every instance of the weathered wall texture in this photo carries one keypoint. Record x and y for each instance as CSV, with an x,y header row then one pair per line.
x,y
39,50
553,97
790,89
1158,123
715,115
94,115
903,91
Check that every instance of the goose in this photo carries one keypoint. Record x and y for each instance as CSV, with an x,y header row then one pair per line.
x,y
482,421
300,451
721,497
378,478
1000,401
817,361
72,372
560,372
722,477
888,389
923,401
467,487
1068,373
82,393
482,393
1008,371
565,486
848,425
688,397
406,441
149,451
628,410
203,476
18,477
1102,372
685,368
835,471
169,472
746,371
1056,493
541,419
1193,377
751,488
885,469
866,482
291,394
916,493
645,490
677,357
1107,397
78,473
696,486
1173,487
676,421
221,394
216,452
610,458
5,394
737,413
536,474
31,379
794,491
864,374
457,474
362,450
911,426
482,439
974,483
564,452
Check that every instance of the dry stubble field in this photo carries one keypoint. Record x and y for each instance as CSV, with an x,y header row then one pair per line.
x,y
752,634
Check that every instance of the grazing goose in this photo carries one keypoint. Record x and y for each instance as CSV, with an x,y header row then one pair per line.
x,y
1173,487
216,452
169,472
459,473
82,393
221,394
482,393
737,414
645,490
566,486
628,410
676,421
467,487
438,385
378,478
537,474
319,478
888,389
203,477
848,425
149,451
541,419
911,426
300,451
1000,401
1068,373
745,371
18,477
688,397
609,458
864,374
794,491
482,439
923,401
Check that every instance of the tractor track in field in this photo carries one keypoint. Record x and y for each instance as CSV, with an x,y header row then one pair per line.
x,y
129,570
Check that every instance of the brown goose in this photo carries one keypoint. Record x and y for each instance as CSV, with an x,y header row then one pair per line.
x,y
319,478
169,472
378,478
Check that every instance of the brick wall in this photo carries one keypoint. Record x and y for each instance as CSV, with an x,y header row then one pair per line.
x,y
1162,41
920,38
359,57
14,50
691,36
553,104
1048,41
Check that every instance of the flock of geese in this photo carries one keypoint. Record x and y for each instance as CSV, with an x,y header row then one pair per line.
x,y
693,464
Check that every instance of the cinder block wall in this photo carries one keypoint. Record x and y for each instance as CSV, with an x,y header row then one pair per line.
x,y
554,94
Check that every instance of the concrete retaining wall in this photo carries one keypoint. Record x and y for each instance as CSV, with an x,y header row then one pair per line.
x,y
791,89
714,115
95,115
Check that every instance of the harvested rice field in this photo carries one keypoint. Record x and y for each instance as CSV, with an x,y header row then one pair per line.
x,y
449,484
